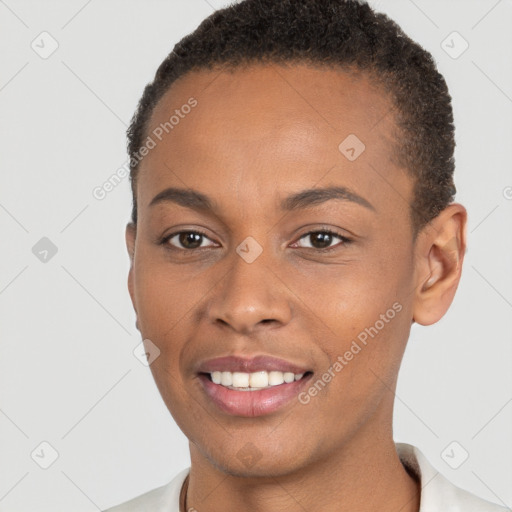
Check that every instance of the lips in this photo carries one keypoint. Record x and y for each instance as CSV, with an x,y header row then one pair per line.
x,y
250,365
255,402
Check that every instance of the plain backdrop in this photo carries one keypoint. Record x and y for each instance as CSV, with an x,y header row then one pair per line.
x,y
68,375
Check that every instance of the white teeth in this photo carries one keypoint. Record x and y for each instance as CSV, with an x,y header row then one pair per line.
x,y
226,378
253,381
289,377
240,380
258,380
275,378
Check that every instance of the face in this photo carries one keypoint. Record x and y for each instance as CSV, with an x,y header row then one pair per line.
x,y
302,252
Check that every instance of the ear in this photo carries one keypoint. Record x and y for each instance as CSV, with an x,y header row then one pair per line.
x,y
439,254
130,236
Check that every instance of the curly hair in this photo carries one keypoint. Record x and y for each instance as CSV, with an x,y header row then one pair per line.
x,y
345,34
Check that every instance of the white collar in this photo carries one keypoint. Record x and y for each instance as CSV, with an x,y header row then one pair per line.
x,y
437,493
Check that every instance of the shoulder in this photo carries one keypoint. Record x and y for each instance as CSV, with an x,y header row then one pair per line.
x,y
160,499
438,494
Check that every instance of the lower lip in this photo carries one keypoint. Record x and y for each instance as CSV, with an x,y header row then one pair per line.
x,y
252,403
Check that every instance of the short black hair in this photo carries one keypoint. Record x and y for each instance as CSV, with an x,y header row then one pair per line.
x,y
345,34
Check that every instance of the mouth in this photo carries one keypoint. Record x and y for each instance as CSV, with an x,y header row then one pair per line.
x,y
242,381
252,394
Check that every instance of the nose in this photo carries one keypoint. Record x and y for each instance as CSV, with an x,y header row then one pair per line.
x,y
250,297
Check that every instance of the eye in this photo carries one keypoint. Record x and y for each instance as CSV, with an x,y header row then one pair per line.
x,y
322,240
186,240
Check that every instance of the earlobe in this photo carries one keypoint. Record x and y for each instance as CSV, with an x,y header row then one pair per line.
x,y
440,254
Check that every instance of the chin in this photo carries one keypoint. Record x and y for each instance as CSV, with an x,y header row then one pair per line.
x,y
243,464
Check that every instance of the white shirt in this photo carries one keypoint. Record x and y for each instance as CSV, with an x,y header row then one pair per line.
x,y
437,493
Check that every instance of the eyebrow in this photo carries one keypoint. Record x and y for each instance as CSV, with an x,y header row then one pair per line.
x,y
313,196
185,197
192,199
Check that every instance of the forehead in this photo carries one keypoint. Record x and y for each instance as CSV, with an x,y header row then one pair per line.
x,y
254,98
270,127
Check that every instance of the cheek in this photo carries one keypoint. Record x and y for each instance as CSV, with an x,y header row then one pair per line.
x,y
346,297
165,303
355,312
162,295
169,308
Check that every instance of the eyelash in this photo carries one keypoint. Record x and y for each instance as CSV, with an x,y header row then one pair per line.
x,y
344,240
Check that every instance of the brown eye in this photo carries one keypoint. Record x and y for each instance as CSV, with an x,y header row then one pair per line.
x,y
186,240
322,240
190,240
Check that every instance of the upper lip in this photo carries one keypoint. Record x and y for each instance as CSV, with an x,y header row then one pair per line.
x,y
249,365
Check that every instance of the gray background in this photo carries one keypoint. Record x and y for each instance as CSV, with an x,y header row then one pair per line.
x,y
68,375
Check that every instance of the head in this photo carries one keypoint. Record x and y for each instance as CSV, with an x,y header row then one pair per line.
x,y
292,176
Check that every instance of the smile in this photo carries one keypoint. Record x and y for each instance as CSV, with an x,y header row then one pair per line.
x,y
242,381
252,394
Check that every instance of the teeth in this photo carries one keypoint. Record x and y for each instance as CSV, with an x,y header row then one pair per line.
x,y
226,378
253,381
275,378
240,380
289,377
257,380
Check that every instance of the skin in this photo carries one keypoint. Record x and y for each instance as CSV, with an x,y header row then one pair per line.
x,y
256,136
